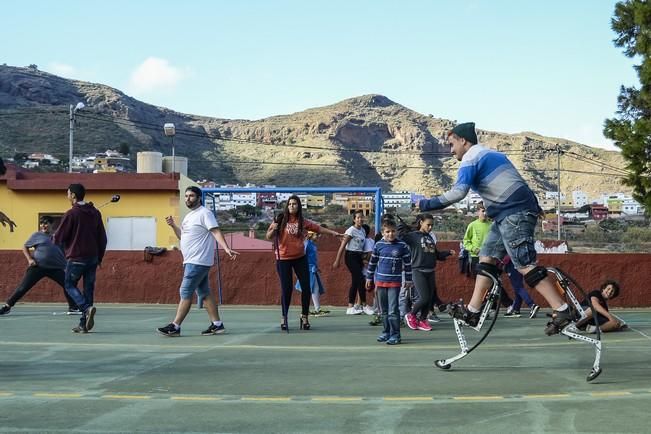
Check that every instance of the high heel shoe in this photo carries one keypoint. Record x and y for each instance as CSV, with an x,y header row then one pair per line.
x,y
283,325
304,324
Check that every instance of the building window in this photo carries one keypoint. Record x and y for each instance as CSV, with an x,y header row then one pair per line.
x,y
130,233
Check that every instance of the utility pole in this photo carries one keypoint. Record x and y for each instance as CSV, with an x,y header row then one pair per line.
x,y
558,182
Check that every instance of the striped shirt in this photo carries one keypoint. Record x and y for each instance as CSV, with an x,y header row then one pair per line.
x,y
494,178
388,261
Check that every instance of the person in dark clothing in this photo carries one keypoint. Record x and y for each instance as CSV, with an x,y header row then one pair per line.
x,y
46,260
4,219
599,301
82,235
424,255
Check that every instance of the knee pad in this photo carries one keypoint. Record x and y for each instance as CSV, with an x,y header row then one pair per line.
x,y
489,268
534,276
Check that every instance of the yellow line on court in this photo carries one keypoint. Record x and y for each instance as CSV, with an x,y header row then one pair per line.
x,y
266,398
547,395
126,397
478,398
613,393
6,394
196,398
56,395
407,398
337,398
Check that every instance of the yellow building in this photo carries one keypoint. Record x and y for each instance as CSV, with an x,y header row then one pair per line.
x,y
366,204
316,201
136,221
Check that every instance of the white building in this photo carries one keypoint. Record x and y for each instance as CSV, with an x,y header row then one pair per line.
x,y
632,207
397,199
469,202
579,198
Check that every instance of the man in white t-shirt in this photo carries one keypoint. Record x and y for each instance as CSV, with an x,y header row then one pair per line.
x,y
198,233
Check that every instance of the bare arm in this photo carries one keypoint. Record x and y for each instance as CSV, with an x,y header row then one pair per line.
x,y
28,255
217,234
342,247
177,230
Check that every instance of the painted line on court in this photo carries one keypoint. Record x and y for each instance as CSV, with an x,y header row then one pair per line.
x,y
325,399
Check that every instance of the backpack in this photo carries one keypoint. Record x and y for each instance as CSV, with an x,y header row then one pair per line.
x,y
150,252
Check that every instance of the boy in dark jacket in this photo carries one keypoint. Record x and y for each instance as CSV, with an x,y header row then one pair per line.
x,y
389,259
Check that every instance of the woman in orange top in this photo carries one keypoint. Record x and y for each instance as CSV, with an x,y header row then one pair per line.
x,y
288,232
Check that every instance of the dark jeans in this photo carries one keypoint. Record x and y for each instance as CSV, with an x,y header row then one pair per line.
x,y
284,268
390,315
355,266
517,282
32,276
75,270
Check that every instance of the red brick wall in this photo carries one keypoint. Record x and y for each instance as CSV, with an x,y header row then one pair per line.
x,y
126,278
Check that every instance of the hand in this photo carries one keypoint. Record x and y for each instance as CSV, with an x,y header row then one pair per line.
x,y
169,220
335,265
409,285
452,253
369,285
232,254
339,235
31,262
7,221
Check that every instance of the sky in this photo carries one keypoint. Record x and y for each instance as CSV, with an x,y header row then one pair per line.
x,y
509,65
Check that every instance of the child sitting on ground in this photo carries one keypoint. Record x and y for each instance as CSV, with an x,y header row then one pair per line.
x,y
598,298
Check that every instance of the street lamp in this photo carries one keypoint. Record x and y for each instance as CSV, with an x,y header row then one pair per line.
x,y
170,131
73,111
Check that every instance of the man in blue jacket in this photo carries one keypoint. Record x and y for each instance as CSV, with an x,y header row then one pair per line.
x,y
514,209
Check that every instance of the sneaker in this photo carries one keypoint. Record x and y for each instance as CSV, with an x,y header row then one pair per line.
x,y
559,320
442,308
591,329
368,310
90,318
383,337
460,312
534,311
433,319
512,313
5,309
73,311
81,328
376,321
358,308
411,321
169,330
394,340
213,330
353,311
424,326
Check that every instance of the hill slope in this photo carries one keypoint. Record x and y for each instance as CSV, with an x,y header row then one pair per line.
x,y
367,140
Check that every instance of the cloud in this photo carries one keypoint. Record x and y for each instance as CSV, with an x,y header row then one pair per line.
x,y
155,74
61,69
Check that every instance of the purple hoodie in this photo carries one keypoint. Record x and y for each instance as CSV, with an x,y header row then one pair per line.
x,y
81,233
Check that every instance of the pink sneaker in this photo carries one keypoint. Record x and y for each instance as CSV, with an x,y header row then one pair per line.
x,y
412,321
424,326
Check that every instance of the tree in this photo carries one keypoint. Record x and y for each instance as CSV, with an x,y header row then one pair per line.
x,y
124,149
631,129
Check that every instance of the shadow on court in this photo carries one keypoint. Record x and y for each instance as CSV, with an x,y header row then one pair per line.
x,y
124,377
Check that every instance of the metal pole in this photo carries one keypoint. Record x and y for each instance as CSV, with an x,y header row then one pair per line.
x,y
72,133
558,177
173,157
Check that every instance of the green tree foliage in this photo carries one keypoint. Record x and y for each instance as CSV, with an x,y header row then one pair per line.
x,y
631,129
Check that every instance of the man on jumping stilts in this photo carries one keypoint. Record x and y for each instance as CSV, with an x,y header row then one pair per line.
x,y
514,209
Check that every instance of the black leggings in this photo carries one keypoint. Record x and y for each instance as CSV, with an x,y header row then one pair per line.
x,y
32,276
355,266
426,287
284,268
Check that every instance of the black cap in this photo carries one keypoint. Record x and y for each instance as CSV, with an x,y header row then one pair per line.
x,y
465,131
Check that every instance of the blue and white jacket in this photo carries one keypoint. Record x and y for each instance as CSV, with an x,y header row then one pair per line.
x,y
390,259
494,178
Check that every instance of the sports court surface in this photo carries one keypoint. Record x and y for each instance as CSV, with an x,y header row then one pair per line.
x,y
124,377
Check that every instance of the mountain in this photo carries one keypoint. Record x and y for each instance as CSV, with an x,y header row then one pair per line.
x,y
367,140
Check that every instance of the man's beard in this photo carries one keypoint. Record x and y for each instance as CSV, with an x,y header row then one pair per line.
x,y
192,205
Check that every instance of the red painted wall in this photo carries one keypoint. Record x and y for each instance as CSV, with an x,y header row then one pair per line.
x,y
126,278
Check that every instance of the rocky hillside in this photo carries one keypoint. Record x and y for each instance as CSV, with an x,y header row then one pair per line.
x,y
367,140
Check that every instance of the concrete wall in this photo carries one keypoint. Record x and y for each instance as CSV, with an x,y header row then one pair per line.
x,y
126,278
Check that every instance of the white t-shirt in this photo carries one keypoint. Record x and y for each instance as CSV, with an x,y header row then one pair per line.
x,y
197,242
356,243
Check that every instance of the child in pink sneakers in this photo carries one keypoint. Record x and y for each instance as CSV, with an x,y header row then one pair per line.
x,y
424,255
